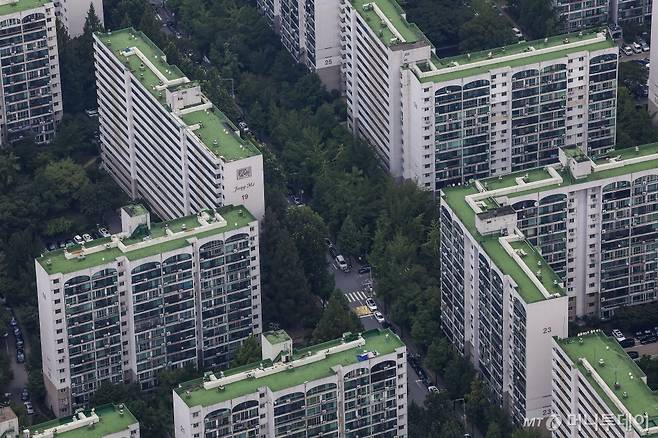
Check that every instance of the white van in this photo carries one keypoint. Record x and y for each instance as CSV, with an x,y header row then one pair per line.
x,y
342,264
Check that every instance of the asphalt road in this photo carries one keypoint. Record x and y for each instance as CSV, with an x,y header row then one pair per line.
x,y
352,285
19,380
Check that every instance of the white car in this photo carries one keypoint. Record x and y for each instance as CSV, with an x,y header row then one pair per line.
x,y
618,335
103,232
87,237
370,303
78,239
627,50
342,264
379,317
636,48
29,408
433,389
517,32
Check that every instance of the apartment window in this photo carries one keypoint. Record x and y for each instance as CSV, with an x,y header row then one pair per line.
x,y
58,310
56,281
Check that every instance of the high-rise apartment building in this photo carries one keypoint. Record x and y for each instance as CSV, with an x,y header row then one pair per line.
x,y
162,140
582,14
522,254
30,94
107,421
351,387
592,220
598,391
441,121
630,11
73,14
155,296
501,302
653,72
309,31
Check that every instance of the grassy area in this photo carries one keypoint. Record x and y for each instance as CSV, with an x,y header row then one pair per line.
x,y
533,175
455,198
393,12
21,5
512,63
618,368
56,261
381,341
218,133
111,421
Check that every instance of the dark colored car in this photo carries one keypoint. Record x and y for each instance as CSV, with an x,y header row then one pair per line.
x,y
364,269
649,340
25,395
333,251
20,356
628,342
633,354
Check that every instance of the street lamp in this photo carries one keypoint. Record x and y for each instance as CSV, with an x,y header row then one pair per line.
x,y
463,413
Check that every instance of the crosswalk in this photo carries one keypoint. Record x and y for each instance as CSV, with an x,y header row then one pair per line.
x,y
356,296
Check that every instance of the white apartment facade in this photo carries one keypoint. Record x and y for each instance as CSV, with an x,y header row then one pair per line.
x,y
592,221
371,69
162,140
30,88
508,110
582,14
348,388
653,72
598,391
309,31
73,14
155,296
501,302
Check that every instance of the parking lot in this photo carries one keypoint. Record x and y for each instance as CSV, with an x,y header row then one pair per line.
x,y
644,342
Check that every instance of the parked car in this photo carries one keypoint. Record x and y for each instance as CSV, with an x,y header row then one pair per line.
x,y
20,343
51,246
645,47
370,303
627,50
29,408
618,335
17,331
649,340
13,322
379,317
636,47
103,232
433,389
25,395
633,354
342,264
517,32
627,342
78,239
365,269
333,252
20,356
87,237
328,242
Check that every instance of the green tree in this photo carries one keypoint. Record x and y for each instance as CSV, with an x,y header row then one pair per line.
x,y
634,77
485,30
350,238
286,292
336,319
536,17
308,230
249,352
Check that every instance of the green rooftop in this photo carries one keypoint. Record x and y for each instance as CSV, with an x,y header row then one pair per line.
x,y
56,262
120,40
509,180
618,367
521,48
381,341
218,133
395,14
277,336
21,5
455,198
111,421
